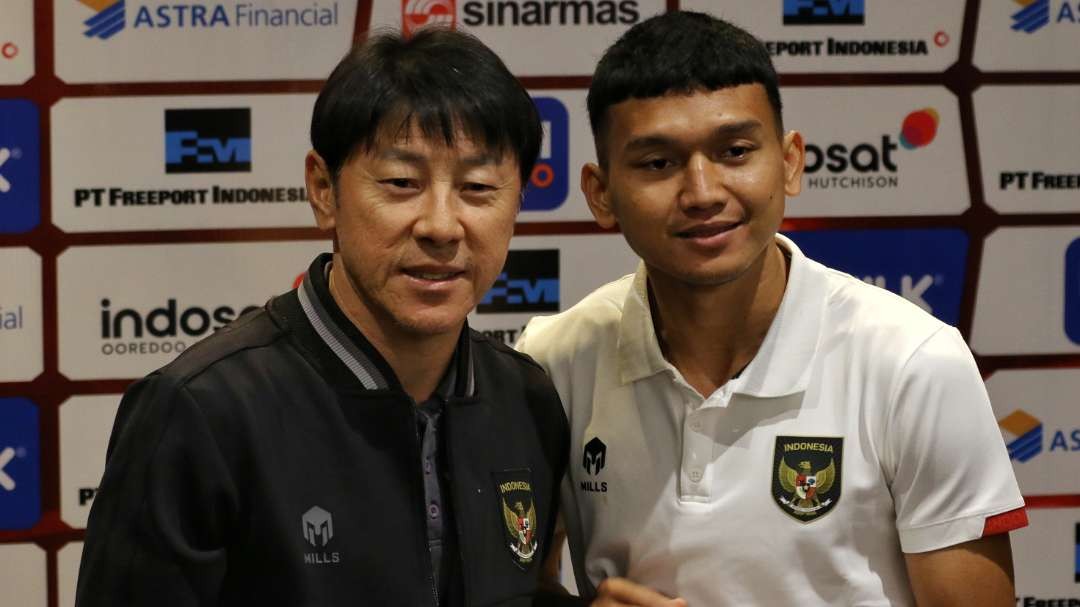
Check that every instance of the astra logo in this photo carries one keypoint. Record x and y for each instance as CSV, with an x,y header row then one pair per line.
x,y
549,184
20,481
1037,14
1072,292
1026,435
529,282
550,12
19,176
416,14
824,12
108,18
926,267
208,140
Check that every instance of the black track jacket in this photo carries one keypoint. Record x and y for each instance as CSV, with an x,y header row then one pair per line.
x,y
256,470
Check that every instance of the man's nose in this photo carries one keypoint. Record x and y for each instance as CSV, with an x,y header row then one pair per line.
x,y
439,219
703,184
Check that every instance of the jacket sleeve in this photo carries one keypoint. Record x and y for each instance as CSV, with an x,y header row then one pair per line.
x,y
158,529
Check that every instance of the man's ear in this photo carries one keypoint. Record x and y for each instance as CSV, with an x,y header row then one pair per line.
x,y
594,185
320,189
794,162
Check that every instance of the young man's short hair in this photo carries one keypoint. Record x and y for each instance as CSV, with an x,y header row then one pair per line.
x,y
443,82
678,52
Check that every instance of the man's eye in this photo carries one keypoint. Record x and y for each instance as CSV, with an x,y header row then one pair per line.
x,y
400,183
738,151
477,187
656,164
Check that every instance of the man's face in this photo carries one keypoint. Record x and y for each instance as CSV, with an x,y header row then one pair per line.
x,y
422,230
696,182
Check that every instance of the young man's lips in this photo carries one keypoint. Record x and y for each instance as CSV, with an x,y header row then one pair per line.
x,y
707,230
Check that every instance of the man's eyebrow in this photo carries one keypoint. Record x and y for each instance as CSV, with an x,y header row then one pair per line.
x,y
400,154
408,156
743,127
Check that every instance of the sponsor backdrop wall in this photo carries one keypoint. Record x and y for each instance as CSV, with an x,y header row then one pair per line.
x,y
151,190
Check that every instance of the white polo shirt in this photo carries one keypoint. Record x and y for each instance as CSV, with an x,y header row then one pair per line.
x,y
860,430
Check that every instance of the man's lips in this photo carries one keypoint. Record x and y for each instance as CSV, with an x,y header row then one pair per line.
x,y
433,273
708,229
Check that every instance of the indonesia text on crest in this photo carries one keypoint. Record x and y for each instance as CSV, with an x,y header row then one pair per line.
x,y
519,515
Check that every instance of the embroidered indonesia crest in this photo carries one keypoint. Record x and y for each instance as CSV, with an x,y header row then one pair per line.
x,y
806,475
519,516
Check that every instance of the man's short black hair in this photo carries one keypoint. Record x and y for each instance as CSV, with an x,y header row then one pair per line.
x,y
678,52
443,82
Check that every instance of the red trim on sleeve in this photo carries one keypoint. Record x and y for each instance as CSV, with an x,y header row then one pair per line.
x,y
1005,522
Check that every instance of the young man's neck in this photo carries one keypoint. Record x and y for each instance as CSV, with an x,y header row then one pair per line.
x,y
418,361
711,333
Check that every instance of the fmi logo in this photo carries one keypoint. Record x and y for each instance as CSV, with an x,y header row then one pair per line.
x,y
824,12
593,459
318,526
529,282
208,140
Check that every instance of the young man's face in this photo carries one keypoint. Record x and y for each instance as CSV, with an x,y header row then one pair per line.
x,y
423,228
696,182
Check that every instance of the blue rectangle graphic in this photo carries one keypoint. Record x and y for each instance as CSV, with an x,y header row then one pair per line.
x,y
926,266
20,464
1072,292
20,166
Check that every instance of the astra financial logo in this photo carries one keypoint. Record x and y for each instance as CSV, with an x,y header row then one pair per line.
x,y
549,183
110,16
416,14
1037,14
926,267
824,12
208,140
20,480
529,282
1072,292
868,165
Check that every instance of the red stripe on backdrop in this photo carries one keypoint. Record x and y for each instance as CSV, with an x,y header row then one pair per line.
x,y
1052,501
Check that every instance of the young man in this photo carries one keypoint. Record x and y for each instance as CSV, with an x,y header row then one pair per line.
x,y
355,443
749,427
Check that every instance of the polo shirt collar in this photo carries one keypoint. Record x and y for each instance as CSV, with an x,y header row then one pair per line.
x,y
782,364
350,346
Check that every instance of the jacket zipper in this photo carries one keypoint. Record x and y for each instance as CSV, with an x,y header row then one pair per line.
x,y
418,465
455,491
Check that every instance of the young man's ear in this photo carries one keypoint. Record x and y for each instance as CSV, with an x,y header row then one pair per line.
x,y
594,185
320,190
794,162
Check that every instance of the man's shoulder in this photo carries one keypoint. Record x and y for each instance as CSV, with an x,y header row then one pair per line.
x,y
235,345
864,313
597,315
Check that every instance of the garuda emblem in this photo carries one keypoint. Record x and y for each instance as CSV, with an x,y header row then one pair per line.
x,y
811,487
518,515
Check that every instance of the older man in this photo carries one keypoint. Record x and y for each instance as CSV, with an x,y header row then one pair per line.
x,y
354,442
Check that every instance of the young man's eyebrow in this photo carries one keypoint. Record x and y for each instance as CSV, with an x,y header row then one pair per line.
x,y
742,127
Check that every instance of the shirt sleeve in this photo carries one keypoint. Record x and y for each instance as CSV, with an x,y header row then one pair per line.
x,y
157,530
950,474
